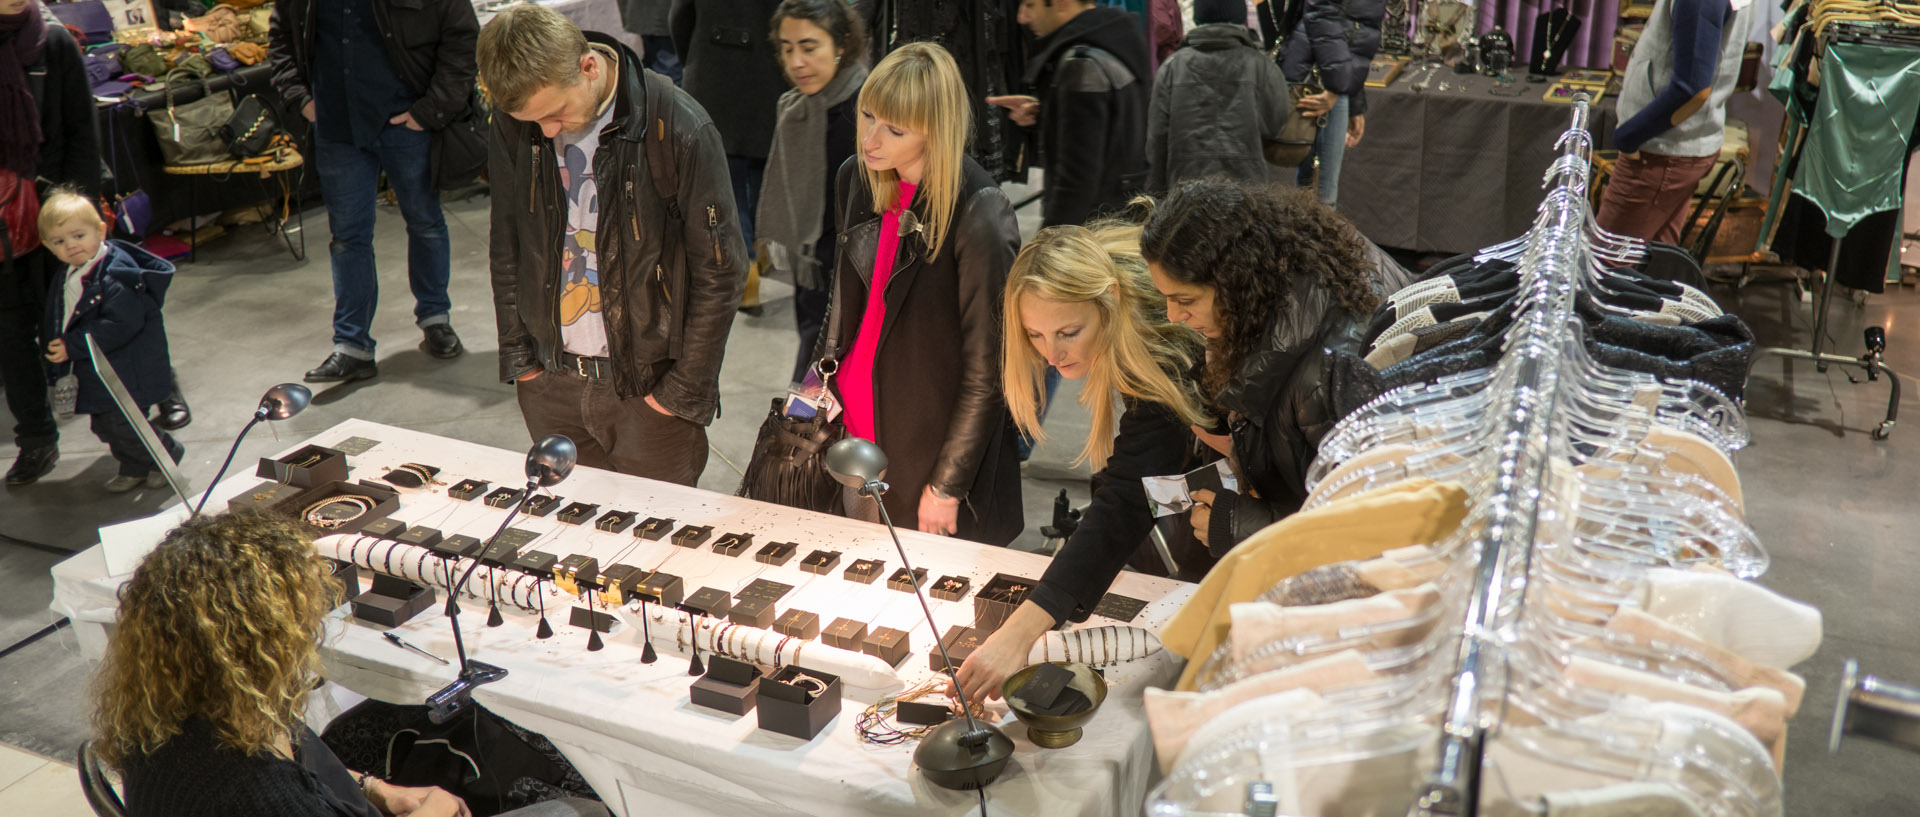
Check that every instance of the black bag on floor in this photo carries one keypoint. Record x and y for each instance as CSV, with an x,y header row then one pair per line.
x,y
493,765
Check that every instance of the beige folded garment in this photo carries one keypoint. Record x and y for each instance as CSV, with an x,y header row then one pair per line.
x,y
1174,716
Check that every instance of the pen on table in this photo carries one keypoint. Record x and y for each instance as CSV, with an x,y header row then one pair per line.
x,y
402,644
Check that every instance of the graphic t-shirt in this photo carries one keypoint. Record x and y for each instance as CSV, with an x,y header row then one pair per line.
x,y
582,330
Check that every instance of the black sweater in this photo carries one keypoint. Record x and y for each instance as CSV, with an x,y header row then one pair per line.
x,y
1152,441
69,146
195,775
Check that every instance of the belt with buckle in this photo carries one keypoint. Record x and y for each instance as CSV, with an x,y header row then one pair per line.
x,y
591,368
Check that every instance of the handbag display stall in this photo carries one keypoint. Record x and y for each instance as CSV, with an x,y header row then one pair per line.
x,y
190,134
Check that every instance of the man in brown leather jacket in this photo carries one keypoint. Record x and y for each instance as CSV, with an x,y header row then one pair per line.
x,y
617,261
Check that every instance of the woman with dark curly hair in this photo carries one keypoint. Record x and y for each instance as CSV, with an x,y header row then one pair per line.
x,y
201,701
1274,280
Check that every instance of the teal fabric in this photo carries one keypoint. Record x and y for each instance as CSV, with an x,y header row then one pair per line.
x,y
1857,139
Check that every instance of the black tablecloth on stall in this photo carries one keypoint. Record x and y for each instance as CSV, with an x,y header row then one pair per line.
x,y
133,154
1456,170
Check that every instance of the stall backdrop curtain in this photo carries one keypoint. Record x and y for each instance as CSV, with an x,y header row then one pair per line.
x,y
1592,49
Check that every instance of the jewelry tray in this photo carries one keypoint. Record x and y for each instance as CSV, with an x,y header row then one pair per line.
x,y
385,502
330,467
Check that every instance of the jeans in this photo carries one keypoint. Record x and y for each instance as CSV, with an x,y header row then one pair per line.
x,y
349,179
1649,194
23,373
661,58
624,435
123,442
1330,147
747,173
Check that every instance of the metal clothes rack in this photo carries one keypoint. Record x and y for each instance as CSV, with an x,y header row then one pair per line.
x,y
1558,249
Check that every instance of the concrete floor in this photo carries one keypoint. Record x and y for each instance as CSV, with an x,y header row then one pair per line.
x,y
1830,503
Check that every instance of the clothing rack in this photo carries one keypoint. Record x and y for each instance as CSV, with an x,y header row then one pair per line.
x,y
1558,248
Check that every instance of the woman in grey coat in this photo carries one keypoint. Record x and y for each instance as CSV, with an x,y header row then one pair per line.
x,y
1214,102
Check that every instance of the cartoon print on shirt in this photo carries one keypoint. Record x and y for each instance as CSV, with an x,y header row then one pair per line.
x,y
580,287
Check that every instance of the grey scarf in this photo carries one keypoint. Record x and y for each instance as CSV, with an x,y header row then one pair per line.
x,y
791,201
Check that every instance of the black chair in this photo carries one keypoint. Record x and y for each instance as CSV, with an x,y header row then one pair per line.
x,y
97,787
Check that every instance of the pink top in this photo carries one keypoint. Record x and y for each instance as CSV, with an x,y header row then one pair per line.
x,y
856,372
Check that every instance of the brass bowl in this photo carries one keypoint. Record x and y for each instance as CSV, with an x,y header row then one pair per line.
x,y
1056,731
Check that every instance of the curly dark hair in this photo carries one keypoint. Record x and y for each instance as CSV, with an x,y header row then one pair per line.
x,y
836,17
1249,242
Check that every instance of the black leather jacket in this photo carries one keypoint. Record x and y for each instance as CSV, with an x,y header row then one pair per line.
x,y
1340,37
668,299
429,42
1281,408
937,405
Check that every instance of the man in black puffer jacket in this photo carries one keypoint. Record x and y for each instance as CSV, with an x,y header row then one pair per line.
x,y
1092,78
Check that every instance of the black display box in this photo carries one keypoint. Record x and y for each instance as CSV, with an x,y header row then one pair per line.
x,y
503,547
392,602
996,601
790,710
467,489
820,562
887,644
388,528
577,514
766,589
693,536
845,633
654,529
753,611
385,502
331,466
618,583
616,521
541,505
733,544
584,618
960,643
536,563
798,623
575,573
950,588
661,588
709,601
264,495
922,713
457,546
347,575
418,535
776,553
504,497
729,686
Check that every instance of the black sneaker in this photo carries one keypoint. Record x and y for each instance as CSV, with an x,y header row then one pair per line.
x,y
340,367
32,464
441,342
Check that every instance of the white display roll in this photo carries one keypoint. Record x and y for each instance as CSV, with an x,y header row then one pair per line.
x,y
1095,646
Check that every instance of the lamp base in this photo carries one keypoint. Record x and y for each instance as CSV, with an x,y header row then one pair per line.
x,y
962,755
454,698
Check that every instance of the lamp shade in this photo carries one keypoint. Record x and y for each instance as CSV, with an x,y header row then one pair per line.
x,y
285,400
551,459
854,462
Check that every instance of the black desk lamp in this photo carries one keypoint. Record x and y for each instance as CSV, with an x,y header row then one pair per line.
x,y
964,754
279,403
548,463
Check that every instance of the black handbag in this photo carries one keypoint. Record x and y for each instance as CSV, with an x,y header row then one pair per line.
x,y
460,148
788,464
250,131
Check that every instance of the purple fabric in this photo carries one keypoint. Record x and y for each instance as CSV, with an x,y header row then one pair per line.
x,y
1592,48
90,16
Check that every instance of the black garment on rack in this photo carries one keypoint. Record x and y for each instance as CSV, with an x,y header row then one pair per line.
x,y
990,46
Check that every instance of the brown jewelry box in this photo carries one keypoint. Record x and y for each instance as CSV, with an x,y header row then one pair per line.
x,y
784,708
730,686
270,493
332,467
392,602
385,502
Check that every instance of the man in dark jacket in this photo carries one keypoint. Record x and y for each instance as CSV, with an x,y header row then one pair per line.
x,y
617,261
1090,75
732,71
1215,102
648,18
377,78
48,138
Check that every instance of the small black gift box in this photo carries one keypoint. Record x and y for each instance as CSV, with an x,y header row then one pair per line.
x,y
775,553
997,600
799,702
753,611
391,602
733,544
820,562
887,644
388,528
458,545
305,468
418,536
960,643
845,633
467,489
347,574
693,536
950,588
864,571
729,686
798,623
616,521
264,495
654,529
709,601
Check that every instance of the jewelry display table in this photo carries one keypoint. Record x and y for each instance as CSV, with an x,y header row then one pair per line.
x,y
630,727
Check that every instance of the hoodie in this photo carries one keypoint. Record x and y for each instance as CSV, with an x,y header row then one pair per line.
x,y
1093,78
119,306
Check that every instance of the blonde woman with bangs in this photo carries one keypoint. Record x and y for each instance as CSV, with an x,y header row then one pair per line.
x,y
1080,300
201,702
925,241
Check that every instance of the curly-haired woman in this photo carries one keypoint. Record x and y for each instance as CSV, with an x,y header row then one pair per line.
x,y
201,700
1273,279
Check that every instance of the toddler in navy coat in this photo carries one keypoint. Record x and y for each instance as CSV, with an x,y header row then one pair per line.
x,y
113,291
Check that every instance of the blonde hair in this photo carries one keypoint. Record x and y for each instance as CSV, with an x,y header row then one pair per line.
x,y
525,48
1142,355
66,204
222,621
918,86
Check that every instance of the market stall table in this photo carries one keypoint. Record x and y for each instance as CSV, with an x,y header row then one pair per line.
x,y
629,727
1454,170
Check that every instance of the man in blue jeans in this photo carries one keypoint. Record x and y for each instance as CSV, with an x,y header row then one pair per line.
x,y
377,78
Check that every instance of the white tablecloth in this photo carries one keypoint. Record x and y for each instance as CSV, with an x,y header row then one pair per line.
x,y
629,727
